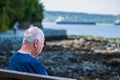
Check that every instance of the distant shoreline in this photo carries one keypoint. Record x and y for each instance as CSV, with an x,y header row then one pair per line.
x,y
9,33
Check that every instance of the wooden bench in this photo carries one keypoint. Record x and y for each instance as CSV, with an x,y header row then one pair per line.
x,y
15,75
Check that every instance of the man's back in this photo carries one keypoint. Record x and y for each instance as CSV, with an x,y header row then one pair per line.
x,y
26,63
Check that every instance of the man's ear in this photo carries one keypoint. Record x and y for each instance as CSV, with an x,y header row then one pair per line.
x,y
35,43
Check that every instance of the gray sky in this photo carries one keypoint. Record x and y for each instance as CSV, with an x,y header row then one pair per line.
x,y
87,6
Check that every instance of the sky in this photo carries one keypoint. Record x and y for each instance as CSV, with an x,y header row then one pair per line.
x,y
86,6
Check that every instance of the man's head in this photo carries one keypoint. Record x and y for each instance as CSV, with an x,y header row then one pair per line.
x,y
34,37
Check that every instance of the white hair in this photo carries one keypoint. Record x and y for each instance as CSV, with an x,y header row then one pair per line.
x,y
32,33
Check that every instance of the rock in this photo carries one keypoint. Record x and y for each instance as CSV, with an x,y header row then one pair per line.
x,y
113,62
90,67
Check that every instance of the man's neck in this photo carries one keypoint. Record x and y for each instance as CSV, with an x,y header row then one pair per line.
x,y
24,50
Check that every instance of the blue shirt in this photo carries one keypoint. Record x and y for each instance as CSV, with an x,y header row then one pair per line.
x,y
26,63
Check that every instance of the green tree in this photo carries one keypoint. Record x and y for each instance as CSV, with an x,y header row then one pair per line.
x,y
33,11
19,10
4,18
4,21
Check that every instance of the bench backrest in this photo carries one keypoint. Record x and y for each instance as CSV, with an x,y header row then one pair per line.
x,y
15,75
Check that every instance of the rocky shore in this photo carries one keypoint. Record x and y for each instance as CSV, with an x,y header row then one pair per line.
x,y
83,58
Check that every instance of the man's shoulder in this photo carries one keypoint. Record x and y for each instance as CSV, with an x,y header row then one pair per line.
x,y
21,56
36,61
25,58
14,54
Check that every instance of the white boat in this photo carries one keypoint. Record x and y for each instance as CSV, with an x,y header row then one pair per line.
x,y
117,22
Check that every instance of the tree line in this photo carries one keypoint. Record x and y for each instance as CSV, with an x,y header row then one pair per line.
x,y
51,16
19,10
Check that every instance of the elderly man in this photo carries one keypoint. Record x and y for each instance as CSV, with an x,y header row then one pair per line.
x,y
24,59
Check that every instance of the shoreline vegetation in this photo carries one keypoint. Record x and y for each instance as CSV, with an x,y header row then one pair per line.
x,y
80,57
52,16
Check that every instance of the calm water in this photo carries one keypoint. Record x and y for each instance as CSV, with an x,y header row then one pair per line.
x,y
102,30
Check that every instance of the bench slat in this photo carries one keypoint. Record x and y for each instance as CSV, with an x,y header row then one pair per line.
x,y
15,75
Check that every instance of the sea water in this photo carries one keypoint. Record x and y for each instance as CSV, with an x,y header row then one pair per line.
x,y
98,30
